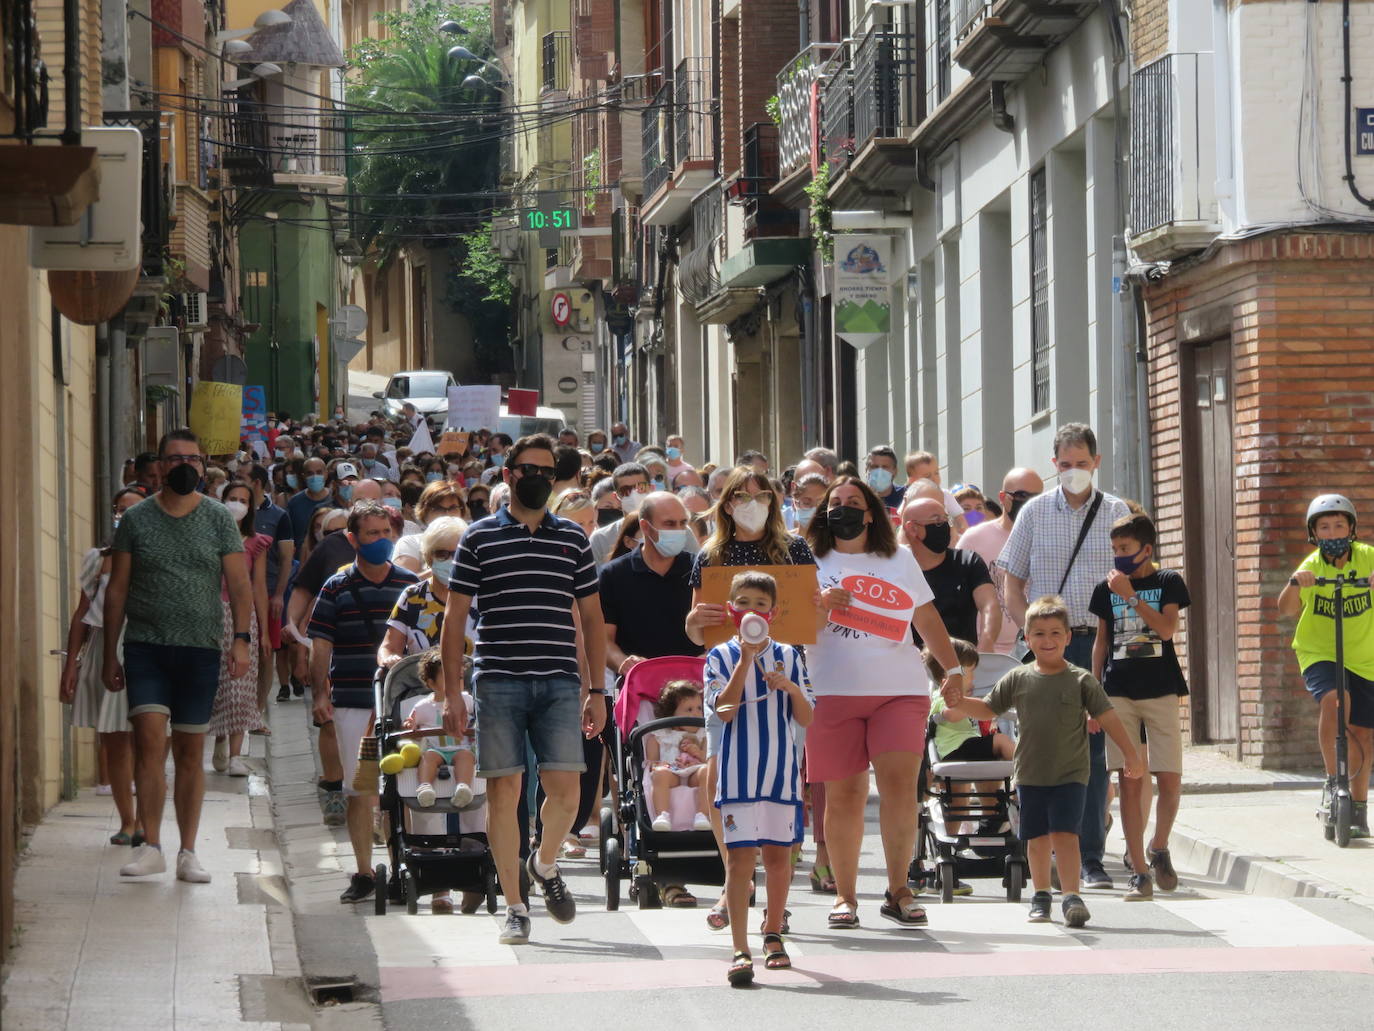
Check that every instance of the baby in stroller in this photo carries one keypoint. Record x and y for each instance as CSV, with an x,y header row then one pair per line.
x,y
677,755
442,756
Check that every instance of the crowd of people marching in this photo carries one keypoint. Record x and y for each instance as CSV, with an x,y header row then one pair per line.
x,y
534,574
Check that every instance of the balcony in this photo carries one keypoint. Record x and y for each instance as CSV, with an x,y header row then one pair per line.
x,y
764,214
679,132
247,152
1173,200
837,112
557,62
155,197
798,139
1004,40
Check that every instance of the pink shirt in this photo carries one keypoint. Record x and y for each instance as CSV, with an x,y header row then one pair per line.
x,y
986,539
253,547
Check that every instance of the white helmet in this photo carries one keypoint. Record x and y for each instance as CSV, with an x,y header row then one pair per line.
x,y
1329,504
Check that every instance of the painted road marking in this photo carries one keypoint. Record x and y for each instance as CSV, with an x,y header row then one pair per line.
x,y
1259,922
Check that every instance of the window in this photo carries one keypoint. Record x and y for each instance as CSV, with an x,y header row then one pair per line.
x,y
1040,294
942,49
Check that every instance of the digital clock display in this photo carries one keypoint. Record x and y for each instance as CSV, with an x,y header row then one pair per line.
x,y
558,218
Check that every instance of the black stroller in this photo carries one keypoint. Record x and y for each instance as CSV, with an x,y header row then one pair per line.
x,y
947,793
423,863
629,844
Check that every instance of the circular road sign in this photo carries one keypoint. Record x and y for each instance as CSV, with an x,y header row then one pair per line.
x,y
561,308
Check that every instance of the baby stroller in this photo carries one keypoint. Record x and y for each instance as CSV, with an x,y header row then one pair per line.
x,y
629,844
425,858
946,792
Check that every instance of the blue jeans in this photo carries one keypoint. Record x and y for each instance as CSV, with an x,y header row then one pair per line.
x,y
547,709
176,680
1092,834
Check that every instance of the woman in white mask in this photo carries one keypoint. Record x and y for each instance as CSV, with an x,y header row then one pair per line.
x,y
749,531
236,702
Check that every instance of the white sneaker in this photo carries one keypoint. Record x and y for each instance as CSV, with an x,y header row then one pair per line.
x,y
148,859
190,870
701,822
104,789
663,822
424,795
236,767
220,759
462,795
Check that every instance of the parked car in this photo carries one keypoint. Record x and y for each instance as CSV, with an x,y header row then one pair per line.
x,y
426,389
545,420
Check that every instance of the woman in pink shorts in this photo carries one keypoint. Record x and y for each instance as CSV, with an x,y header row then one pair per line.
x,y
872,692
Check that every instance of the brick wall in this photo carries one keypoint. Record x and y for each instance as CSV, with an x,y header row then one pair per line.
x,y
767,39
1149,30
1299,308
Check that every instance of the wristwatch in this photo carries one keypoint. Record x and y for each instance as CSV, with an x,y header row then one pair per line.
x,y
1133,600
598,690
244,636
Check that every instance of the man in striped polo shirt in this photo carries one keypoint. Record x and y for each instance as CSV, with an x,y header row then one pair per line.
x,y
346,629
524,569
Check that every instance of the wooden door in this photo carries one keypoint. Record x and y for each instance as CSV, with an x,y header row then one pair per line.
x,y
1209,528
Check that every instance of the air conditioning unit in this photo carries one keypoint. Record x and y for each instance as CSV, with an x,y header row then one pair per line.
x,y
196,307
1173,158
162,357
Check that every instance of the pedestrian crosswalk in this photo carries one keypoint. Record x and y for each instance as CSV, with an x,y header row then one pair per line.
x,y
429,957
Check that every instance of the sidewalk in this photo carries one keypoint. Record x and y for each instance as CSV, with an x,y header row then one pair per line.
x,y
1257,831
97,951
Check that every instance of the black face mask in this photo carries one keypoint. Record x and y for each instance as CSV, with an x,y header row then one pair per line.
x,y
937,537
533,491
410,493
845,523
1016,505
607,516
477,509
183,479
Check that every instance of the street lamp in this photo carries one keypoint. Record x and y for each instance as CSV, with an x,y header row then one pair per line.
x,y
453,27
271,18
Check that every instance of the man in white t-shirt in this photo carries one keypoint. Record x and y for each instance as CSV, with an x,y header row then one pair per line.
x,y
987,539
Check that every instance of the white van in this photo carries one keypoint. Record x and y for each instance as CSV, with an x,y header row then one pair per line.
x,y
545,420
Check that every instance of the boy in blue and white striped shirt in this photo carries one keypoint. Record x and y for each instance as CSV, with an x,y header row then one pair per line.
x,y
761,694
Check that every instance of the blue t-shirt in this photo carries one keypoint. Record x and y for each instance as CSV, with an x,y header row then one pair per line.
x,y
758,752
351,612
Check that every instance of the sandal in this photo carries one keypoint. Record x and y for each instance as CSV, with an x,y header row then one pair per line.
x,y
572,849
776,959
822,880
786,926
903,909
441,904
718,917
122,838
675,896
844,916
137,839
741,970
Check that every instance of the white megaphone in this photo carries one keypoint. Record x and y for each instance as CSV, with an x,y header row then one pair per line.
x,y
753,629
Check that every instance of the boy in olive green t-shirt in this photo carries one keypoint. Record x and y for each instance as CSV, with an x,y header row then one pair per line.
x,y
1052,700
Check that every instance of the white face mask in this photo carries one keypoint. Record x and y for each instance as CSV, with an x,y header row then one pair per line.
x,y
632,501
219,489
237,509
1076,481
751,516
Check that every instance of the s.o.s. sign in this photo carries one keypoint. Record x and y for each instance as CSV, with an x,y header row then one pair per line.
x,y
880,607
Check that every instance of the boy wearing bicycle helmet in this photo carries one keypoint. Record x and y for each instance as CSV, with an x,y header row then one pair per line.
x,y
1331,527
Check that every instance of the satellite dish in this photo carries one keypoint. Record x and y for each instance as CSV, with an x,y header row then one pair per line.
x,y
229,369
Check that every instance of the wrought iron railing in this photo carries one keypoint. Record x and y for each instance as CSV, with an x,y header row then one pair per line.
x,y
1153,145
837,112
247,152
23,75
885,64
154,200
797,128
699,267
759,164
967,16
694,111
939,54
656,128
557,60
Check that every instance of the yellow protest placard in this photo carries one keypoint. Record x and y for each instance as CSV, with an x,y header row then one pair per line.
x,y
216,416
794,621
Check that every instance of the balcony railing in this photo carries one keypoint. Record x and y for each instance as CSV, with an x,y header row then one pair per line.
x,y
155,202
656,127
939,54
837,112
23,74
764,215
694,111
248,152
797,131
699,269
557,60
885,63
967,16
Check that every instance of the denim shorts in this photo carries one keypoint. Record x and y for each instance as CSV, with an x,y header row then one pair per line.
x,y
1053,809
548,709
1320,679
178,681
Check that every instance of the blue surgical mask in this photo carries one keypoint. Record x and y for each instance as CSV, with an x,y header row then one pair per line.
x,y
368,463
293,481
433,477
391,502
597,446
659,483
442,571
377,551
345,492
1127,563
880,480
674,453
498,461
670,542
314,484
804,515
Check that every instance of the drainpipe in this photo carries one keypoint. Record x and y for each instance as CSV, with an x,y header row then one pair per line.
x,y
71,71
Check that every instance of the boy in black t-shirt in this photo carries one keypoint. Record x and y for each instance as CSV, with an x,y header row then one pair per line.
x,y
1137,609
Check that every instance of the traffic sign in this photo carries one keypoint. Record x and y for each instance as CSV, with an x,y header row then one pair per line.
x,y
561,309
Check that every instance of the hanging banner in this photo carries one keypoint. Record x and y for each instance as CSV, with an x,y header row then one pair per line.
x,y
216,415
254,413
863,303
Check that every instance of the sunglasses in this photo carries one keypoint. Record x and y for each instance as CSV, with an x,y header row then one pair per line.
x,y
1023,495
530,469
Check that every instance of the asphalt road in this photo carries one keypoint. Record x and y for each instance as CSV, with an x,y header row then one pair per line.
x,y
1200,957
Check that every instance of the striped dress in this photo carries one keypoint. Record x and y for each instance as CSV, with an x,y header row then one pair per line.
x,y
107,712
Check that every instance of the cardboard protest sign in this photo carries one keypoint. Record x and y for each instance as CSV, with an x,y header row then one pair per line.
x,y
795,618
522,402
216,415
880,608
453,442
474,408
